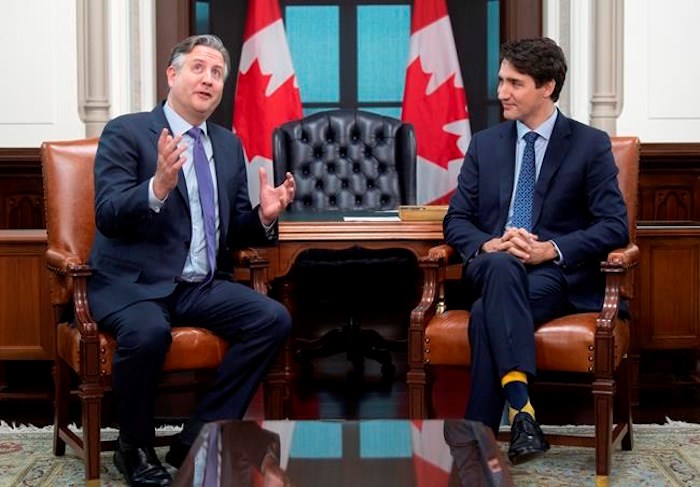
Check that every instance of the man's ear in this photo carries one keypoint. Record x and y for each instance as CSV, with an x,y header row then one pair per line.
x,y
170,74
548,88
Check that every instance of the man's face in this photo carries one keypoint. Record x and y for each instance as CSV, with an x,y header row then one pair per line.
x,y
196,88
521,98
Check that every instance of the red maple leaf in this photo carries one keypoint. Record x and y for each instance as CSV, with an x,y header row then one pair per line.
x,y
430,113
256,115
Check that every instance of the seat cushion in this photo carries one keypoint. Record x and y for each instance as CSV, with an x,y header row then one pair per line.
x,y
192,348
565,344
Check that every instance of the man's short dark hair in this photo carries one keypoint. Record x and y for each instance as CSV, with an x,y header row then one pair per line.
x,y
540,58
185,46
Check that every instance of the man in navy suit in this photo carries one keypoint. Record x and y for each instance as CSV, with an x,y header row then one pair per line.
x,y
531,239
162,254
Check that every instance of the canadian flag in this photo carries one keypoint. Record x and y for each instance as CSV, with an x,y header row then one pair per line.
x,y
435,102
432,459
267,94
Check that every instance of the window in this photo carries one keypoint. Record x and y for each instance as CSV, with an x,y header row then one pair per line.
x,y
353,53
350,54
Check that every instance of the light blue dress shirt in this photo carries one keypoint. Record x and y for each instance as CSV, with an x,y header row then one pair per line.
x,y
196,264
544,132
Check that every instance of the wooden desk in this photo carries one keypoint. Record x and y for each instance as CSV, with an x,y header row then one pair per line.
x,y
325,230
297,234
27,329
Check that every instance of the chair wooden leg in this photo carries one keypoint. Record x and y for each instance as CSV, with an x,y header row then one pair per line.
x,y
91,401
61,373
603,409
276,387
418,393
623,402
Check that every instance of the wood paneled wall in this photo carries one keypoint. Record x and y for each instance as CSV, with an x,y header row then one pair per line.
x,y
21,189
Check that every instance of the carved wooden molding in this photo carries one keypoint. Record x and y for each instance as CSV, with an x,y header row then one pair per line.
x,y
676,152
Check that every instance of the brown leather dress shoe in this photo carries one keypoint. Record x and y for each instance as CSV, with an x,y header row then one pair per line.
x,y
140,466
527,440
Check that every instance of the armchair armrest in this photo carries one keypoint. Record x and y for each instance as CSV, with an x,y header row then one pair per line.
x,y
68,281
618,283
620,260
432,302
250,259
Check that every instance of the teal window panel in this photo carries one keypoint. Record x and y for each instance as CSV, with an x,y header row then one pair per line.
x,y
385,439
317,439
383,33
201,15
493,35
311,110
394,112
313,37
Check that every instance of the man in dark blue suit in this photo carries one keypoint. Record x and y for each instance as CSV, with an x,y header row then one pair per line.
x,y
162,254
537,207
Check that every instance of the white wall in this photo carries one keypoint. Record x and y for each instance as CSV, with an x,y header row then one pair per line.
x,y
662,71
38,94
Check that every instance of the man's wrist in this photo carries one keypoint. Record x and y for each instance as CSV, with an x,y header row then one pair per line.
x,y
556,255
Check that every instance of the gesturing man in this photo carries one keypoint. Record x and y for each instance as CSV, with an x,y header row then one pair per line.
x,y
171,202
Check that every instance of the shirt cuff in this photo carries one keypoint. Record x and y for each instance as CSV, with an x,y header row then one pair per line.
x,y
269,229
560,258
154,203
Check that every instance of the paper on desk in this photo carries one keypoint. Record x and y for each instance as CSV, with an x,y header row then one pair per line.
x,y
377,218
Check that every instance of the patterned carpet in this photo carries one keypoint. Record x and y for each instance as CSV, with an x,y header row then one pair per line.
x,y
663,455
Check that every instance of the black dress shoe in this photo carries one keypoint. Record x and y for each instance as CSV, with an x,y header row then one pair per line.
x,y
177,453
140,466
526,440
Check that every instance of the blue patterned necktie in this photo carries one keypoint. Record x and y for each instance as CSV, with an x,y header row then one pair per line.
x,y
525,192
206,197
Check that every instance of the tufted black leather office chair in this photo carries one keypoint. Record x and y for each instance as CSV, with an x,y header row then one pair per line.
x,y
345,161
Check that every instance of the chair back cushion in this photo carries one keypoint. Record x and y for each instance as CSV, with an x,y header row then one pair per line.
x,y
347,160
626,153
69,193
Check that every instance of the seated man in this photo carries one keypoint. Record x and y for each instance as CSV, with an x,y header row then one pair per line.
x,y
537,207
171,202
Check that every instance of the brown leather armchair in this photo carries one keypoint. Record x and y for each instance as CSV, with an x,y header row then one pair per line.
x,y
80,347
591,346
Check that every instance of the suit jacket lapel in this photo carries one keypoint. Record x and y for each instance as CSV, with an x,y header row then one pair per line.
x,y
557,149
223,168
505,157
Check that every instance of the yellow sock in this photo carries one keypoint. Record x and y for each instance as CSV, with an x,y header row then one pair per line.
x,y
517,393
513,376
527,408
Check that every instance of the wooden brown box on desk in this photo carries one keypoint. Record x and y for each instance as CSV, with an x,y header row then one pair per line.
x,y
422,212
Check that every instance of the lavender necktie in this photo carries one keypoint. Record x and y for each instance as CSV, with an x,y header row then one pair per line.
x,y
525,192
206,197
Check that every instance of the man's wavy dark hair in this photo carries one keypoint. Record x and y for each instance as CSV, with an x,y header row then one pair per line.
x,y
540,58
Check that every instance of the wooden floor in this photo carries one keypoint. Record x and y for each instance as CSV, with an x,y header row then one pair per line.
x,y
336,391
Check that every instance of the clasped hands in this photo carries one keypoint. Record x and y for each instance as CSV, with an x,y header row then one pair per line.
x,y
522,244
273,200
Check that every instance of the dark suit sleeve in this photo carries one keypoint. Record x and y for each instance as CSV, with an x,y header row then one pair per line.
x,y
461,227
122,173
607,214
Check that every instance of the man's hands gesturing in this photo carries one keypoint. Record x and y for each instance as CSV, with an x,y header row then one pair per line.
x,y
170,161
274,200
523,245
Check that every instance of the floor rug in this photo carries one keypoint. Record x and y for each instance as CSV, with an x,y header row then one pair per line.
x,y
663,455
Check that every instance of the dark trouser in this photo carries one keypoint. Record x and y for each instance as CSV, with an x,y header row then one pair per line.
x,y
255,326
511,299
